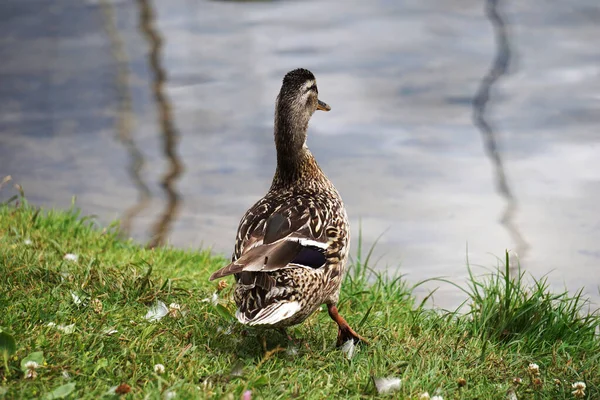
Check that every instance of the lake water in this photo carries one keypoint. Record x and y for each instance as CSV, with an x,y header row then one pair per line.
x,y
79,117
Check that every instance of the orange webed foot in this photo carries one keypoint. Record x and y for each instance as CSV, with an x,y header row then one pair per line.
x,y
345,333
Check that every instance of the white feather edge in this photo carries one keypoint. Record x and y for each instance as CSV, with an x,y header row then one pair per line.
x,y
310,242
271,314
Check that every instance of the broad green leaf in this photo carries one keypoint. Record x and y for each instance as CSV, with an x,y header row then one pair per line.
x,y
8,346
61,392
37,356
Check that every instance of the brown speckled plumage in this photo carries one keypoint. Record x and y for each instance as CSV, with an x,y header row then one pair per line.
x,y
292,245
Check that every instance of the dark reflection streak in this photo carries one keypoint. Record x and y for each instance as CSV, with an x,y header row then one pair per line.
x,y
498,69
126,120
170,135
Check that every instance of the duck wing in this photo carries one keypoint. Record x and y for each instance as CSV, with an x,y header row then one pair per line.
x,y
293,235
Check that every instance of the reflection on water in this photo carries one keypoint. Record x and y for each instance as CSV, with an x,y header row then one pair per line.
x,y
126,117
165,117
108,99
499,68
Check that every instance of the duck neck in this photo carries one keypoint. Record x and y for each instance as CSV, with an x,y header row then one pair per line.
x,y
295,163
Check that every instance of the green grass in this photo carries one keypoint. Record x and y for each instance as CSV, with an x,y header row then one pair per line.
x,y
207,354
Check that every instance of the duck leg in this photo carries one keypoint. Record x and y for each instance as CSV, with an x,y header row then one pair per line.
x,y
291,339
345,333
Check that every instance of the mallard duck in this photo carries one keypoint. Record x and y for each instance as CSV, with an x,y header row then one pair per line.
x,y
292,246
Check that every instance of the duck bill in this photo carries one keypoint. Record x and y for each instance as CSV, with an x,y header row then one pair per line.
x,y
323,106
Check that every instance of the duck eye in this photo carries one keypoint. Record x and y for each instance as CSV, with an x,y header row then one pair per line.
x,y
312,88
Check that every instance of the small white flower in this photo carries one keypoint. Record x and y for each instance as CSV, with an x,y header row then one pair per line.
x,y
159,369
579,391
71,257
424,396
157,312
30,374
31,365
96,305
27,242
437,398
386,385
533,369
348,349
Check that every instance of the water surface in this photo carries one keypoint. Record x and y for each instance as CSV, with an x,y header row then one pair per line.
x,y
79,116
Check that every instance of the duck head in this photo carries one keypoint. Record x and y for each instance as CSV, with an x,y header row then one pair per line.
x,y
298,99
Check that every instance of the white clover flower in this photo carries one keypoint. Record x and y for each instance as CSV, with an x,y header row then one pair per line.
x,y
27,242
31,367
71,257
97,305
424,396
30,374
159,369
437,398
579,391
533,369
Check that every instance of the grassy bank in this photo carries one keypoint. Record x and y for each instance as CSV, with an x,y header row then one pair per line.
x,y
80,295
